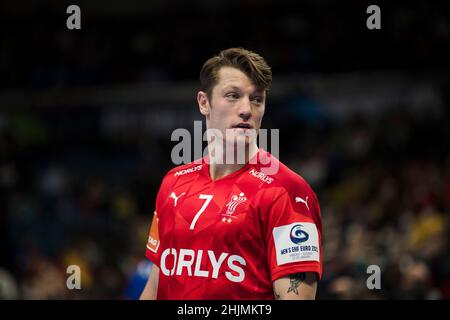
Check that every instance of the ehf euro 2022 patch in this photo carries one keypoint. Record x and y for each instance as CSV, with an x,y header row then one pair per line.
x,y
296,242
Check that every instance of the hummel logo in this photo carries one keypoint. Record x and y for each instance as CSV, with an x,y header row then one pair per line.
x,y
234,202
175,198
298,199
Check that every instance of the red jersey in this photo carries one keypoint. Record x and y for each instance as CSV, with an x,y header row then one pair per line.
x,y
232,237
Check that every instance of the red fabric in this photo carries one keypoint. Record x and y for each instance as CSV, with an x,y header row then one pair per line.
x,y
230,252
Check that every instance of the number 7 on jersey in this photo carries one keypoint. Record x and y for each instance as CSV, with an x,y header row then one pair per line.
x,y
208,198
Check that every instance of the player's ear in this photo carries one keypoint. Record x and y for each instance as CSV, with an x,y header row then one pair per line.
x,y
203,103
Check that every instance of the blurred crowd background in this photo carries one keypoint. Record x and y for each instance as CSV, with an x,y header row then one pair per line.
x,y
86,118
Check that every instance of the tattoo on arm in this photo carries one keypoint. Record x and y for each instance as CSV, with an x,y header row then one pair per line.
x,y
296,280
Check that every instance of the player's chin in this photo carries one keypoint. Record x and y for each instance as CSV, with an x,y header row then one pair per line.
x,y
238,141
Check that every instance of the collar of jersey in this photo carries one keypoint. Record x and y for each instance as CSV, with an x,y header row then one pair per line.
x,y
248,165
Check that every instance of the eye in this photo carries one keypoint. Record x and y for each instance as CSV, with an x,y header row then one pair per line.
x,y
257,99
232,95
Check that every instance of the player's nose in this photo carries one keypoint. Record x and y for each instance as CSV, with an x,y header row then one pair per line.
x,y
245,108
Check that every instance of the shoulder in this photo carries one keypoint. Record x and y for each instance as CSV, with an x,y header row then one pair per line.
x,y
284,178
178,174
185,171
288,188
288,195
292,182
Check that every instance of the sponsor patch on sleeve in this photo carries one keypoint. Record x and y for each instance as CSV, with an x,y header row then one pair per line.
x,y
298,241
153,238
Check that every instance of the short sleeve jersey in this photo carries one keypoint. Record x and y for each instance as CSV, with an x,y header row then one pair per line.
x,y
232,237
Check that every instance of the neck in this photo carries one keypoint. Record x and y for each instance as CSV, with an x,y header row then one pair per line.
x,y
219,166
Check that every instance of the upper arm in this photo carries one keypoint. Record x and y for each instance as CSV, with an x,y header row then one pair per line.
x,y
297,286
294,246
151,288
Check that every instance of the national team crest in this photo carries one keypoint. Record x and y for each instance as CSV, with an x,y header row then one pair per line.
x,y
234,202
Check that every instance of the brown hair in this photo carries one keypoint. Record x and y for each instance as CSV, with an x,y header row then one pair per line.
x,y
250,63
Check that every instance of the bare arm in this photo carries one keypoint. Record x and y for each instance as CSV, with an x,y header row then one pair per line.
x,y
297,286
151,288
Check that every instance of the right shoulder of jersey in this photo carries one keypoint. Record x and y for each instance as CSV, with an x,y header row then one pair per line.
x,y
184,171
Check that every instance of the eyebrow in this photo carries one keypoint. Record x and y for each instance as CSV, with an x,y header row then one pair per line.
x,y
228,87
231,87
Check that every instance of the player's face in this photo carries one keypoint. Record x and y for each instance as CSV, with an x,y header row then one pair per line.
x,y
236,105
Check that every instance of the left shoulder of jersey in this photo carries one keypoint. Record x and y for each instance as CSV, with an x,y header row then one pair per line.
x,y
299,191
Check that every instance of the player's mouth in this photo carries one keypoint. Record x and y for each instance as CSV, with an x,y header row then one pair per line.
x,y
242,126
